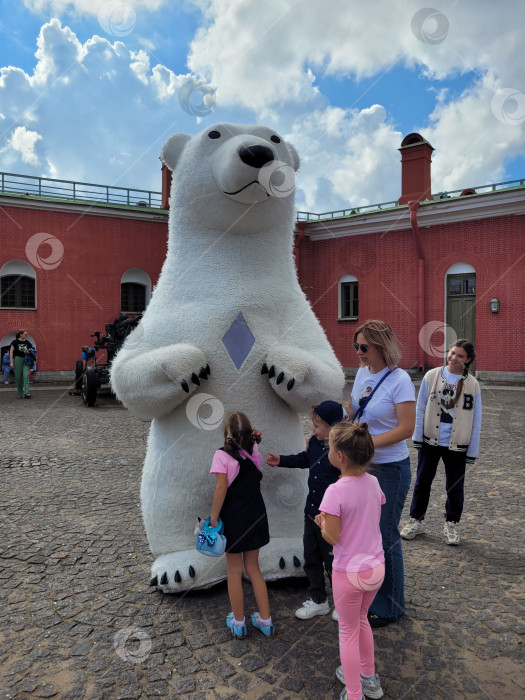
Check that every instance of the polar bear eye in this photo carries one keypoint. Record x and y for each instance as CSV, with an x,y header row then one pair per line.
x,y
275,139
214,135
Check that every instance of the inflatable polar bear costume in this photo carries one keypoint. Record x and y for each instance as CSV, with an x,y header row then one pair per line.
x,y
227,328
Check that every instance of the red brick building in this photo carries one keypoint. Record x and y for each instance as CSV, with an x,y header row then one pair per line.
x,y
69,266
436,267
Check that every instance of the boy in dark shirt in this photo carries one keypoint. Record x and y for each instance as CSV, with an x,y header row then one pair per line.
x,y
318,554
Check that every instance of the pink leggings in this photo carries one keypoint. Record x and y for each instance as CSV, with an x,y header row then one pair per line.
x,y
353,595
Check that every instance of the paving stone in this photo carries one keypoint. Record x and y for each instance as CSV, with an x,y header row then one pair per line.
x,y
182,685
291,684
75,567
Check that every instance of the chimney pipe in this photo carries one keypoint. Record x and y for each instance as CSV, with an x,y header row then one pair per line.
x,y
415,169
166,186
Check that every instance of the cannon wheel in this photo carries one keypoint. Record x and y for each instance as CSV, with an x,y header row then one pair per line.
x,y
89,386
79,371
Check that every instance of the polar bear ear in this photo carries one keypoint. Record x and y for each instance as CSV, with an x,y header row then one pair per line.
x,y
172,149
295,156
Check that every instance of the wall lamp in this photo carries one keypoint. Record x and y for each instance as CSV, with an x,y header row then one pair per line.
x,y
494,305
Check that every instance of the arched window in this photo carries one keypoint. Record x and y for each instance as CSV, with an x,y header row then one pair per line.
x,y
135,290
17,285
348,300
460,303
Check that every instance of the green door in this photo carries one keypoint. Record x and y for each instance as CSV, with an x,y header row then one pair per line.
x,y
461,307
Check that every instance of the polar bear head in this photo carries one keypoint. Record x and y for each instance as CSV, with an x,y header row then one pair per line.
x,y
230,173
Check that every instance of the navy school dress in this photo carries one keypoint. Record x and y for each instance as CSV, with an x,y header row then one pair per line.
x,y
243,512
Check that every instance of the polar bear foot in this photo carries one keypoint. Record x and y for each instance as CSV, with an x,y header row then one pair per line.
x,y
186,570
282,557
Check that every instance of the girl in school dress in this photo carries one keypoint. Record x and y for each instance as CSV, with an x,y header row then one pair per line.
x,y
239,504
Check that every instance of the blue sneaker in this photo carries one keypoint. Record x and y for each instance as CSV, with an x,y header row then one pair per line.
x,y
236,629
267,629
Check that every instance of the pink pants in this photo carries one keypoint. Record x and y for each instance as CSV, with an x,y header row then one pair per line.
x,y
353,595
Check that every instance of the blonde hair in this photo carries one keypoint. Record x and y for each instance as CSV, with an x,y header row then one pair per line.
x,y
381,335
355,442
315,416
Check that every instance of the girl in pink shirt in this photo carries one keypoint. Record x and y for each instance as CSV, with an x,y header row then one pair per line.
x,y
349,519
239,504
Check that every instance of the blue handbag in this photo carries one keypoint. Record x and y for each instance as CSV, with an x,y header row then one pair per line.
x,y
210,540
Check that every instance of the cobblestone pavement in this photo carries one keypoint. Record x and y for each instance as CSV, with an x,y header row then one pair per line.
x,y
79,620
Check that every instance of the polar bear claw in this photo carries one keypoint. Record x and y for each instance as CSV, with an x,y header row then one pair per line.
x,y
171,573
195,378
280,377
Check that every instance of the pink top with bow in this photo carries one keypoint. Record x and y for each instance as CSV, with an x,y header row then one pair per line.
x,y
223,463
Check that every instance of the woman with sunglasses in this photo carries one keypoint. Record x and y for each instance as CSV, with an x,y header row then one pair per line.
x,y
383,395
448,427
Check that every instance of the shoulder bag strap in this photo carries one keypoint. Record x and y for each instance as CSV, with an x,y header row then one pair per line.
x,y
362,407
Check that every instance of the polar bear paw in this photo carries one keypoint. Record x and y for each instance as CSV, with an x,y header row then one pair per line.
x,y
195,378
270,371
282,557
186,570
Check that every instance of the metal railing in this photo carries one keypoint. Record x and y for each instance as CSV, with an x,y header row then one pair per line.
x,y
78,191
449,194
45,187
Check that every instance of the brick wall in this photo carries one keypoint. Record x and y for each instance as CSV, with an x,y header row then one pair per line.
x,y
386,267
82,293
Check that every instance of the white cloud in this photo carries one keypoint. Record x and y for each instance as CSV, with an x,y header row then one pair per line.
x,y
103,109
270,57
97,110
345,156
23,142
471,141
140,65
90,7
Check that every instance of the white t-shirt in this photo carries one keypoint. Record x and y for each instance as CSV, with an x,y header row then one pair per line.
x,y
380,412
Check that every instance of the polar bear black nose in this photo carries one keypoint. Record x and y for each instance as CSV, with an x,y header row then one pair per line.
x,y
256,156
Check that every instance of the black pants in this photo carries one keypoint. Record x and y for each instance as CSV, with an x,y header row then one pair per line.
x,y
427,463
318,557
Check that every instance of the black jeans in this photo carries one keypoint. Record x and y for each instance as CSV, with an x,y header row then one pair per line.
x,y
318,557
427,463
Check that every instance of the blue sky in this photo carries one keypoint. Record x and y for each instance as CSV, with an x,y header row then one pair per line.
x,y
90,89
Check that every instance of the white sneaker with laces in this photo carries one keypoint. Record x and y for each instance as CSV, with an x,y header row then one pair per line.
x,y
311,609
451,533
412,528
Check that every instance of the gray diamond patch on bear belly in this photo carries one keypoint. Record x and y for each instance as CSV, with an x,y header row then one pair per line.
x,y
238,340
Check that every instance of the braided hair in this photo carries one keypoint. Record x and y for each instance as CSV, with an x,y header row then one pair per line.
x,y
239,434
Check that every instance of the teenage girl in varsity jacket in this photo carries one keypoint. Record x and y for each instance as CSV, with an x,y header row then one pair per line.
x,y
448,425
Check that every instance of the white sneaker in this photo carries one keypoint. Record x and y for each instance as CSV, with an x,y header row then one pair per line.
x,y
412,528
311,609
335,616
451,533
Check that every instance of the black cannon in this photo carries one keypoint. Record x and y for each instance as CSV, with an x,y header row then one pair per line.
x,y
89,379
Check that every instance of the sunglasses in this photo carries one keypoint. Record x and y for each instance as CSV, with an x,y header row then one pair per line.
x,y
363,348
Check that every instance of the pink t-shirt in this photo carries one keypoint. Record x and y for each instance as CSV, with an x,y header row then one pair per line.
x,y
223,463
357,500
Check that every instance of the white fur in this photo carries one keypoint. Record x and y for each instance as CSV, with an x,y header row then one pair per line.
x,y
229,252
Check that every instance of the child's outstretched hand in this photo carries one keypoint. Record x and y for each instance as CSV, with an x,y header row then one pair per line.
x,y
273,460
